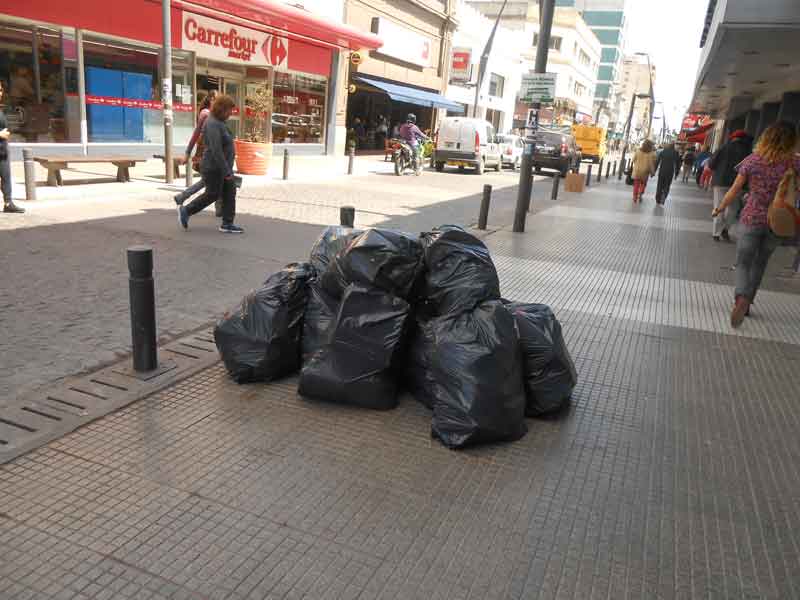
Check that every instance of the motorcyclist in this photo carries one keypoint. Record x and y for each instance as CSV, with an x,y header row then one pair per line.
x,y
411,134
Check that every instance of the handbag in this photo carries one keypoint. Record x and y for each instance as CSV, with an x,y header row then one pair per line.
x,y
200,148
782,216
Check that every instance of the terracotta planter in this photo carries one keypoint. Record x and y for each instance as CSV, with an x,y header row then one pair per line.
x,y
252,158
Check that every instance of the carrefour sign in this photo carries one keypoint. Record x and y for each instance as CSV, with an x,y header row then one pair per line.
x,y
222,41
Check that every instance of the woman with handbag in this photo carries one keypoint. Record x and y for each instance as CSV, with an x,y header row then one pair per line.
x,y
774,161
644,167
197,141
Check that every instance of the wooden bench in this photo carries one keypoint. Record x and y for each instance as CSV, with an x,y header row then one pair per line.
x,y
55,164
177,161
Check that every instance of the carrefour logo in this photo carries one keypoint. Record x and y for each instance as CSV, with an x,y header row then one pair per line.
x,y
216,39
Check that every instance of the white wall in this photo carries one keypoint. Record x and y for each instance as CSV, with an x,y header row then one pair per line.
x,y
473,32
331,9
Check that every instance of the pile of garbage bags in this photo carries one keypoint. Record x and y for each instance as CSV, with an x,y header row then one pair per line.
x,y
377,311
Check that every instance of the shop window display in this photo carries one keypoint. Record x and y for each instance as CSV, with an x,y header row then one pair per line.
x,y
298,108
37,67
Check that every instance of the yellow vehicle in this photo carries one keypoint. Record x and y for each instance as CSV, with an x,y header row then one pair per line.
x,y
592,141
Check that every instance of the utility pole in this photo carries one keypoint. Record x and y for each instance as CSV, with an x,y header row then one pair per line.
x,y
166,87
547,9
484,62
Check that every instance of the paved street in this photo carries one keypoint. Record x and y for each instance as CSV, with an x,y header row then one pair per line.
x,y
64,299
673,475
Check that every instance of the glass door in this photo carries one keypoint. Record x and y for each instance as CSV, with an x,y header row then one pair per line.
x,y
233,88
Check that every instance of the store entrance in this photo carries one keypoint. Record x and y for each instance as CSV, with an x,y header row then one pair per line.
x,y
225,79
364,110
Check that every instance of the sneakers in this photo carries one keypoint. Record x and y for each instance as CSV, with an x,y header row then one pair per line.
x,y
716,238
740,309
230,228
13,208
183,217
725,235
178,199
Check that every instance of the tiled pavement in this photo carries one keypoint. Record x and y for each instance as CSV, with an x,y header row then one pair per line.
x,y
674,474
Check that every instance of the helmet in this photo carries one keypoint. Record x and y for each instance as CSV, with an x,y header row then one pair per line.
x,y
411,118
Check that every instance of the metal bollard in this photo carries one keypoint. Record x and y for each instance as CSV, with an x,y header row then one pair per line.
x,y
483,216
600,171
285,164
608,170
350,161
614,173
347,216
30,174
556,179
143,308
188,171
589,176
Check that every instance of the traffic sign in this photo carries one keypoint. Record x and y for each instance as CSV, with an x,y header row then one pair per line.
x,y
538,87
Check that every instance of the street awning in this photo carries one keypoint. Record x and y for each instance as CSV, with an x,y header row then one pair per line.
x,y
403,93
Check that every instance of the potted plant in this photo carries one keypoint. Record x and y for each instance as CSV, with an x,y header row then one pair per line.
x,y
254,148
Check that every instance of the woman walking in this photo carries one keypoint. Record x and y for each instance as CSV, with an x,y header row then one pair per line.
x,y
197,139
688,164
216,168
5,165
644,167
763,170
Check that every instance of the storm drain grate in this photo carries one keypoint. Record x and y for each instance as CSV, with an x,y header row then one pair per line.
x,y
47,414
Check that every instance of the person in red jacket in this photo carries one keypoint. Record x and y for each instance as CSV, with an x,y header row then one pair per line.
x,y
197,139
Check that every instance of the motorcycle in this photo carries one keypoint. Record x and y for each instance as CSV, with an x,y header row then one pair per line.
x,y
403,158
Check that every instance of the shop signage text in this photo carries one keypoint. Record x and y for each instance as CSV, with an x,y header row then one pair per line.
x,y
218,40
538,87
460,64
134,103
401,43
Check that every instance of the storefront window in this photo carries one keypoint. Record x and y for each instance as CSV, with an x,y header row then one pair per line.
x,y
298,108
37,80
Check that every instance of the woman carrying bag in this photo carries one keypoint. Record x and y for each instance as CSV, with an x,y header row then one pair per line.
x,y
216,168
644,167
196,141
774,161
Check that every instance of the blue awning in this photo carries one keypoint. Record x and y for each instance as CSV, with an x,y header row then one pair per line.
x,y
403,93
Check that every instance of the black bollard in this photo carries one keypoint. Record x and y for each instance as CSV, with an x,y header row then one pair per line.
x,y
600,171
350,160
30,174
621,165
589,176
483,216
614,173
556,179
143,308
347,216
608,170
285,164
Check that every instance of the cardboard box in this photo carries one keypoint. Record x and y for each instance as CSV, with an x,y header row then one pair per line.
x,y
574,182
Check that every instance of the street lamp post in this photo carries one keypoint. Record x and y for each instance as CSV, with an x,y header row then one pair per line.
x,y
652,97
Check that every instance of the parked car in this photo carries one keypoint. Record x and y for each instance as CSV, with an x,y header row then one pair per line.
x,y
555,150
511,148
466,142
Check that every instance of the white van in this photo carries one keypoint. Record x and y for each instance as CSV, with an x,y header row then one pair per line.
x,y
465,142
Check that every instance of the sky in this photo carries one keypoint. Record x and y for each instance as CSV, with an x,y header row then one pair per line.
x,y
669,31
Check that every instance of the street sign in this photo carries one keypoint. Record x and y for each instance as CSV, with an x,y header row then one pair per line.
x,y
538,87
461,64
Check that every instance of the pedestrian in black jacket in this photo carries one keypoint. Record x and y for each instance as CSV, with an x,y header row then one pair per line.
x,y
216,168
5,165
668,163
723,165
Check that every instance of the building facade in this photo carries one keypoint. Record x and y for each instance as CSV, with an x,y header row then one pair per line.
x,y
407,74
87,76
635,79
749,76
498,94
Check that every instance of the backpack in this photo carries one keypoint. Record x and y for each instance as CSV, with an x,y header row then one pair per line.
x,y
782,216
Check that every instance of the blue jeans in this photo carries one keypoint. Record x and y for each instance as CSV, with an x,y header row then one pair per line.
x,y
755,245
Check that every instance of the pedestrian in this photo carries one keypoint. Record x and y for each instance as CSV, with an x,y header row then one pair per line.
x,y
197,141
381,132
644,167
688,164
700,163
216,168
668,162
762,171
680,162
723,167
396,131
5,164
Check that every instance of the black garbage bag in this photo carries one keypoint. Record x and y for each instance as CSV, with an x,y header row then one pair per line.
x,y
479,396
260,340
356,366
459,272
330,242
320,314
417,368
548,371
384,259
